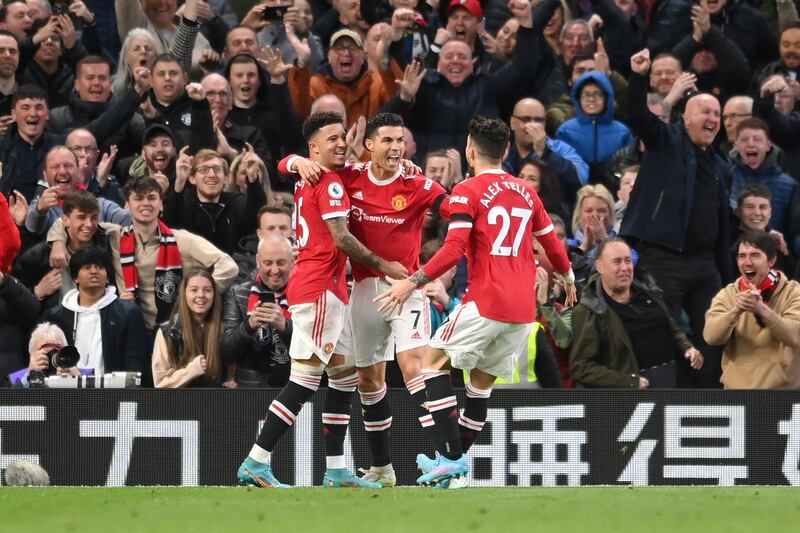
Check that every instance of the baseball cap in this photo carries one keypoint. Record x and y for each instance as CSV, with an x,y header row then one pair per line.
x,y
156,129
473,6
344,32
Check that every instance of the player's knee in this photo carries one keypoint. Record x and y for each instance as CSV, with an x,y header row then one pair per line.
x,y
435,359
341,371
410,363
481,380
311,367
307,374
371,379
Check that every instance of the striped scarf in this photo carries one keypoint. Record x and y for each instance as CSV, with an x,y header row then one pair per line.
x,y
168,269
766,287
259,291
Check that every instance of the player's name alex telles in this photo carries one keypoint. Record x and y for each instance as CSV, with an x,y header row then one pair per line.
x,y
497,187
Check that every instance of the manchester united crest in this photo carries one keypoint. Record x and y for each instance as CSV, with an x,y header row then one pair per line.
x,y
329,348
399,202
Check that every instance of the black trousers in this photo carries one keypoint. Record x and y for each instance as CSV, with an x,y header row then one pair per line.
x,y
689,284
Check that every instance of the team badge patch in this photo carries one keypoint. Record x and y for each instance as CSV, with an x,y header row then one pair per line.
x,y
186,118
167,287
329,348
335,191
399,202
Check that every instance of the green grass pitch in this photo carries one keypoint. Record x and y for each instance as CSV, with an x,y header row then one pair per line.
x,y
611,509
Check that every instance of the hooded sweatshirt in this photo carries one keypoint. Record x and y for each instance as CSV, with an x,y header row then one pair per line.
x,y
770,175
87,332
594,137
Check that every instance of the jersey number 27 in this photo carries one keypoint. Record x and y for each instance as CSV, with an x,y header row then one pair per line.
x,y
500,215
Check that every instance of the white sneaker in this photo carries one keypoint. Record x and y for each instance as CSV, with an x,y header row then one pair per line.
x,y
384,475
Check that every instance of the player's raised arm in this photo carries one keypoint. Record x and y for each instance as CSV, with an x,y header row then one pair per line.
x,y
356,251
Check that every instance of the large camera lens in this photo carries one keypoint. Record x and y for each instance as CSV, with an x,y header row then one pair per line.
x,y
66,357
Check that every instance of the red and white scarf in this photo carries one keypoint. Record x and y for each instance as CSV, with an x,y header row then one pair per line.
x,y
258,289
168,269
766,287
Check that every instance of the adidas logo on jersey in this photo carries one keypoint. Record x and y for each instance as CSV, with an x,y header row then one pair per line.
x,y
416,337
358,196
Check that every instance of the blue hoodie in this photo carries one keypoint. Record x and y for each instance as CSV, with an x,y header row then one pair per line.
x,y
770,175
595,138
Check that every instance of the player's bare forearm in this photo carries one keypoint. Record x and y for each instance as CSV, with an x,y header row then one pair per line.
x,y
351,246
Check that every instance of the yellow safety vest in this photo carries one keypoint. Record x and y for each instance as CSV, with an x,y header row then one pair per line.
x,y
528,362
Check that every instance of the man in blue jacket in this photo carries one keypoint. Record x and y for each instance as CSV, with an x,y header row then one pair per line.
x,y
678,211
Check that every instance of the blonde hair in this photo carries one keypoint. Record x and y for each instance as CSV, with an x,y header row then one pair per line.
x,y
204,155
198,340
593,191
231,185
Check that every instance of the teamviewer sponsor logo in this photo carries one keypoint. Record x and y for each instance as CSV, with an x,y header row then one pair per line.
x,y
358,214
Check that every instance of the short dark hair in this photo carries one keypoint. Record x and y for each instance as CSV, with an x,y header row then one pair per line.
x,y
81,200
241,27
91,60
602,246
142,185
243,59
753,123
792,26
380,120
760,240
757,190
584,55
664,55
4,8
7,33
490,137
317,121
90,255
29,91
273,210
166,58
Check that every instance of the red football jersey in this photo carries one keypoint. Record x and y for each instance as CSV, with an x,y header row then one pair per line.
x,y
493,218
320,266
387,216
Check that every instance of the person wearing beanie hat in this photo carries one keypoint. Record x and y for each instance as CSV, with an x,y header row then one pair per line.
x,y
345,75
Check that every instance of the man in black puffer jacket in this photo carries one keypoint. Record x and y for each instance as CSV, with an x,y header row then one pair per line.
x,y
257,324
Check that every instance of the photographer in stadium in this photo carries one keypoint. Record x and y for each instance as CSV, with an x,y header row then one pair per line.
x,y
45,338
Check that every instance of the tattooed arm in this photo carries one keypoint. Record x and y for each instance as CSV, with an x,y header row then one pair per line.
x,y
420,278
358,252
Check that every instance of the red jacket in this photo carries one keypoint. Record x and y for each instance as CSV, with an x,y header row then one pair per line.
x,y
9,237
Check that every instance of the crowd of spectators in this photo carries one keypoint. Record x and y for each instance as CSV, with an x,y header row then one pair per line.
x,y
143,218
